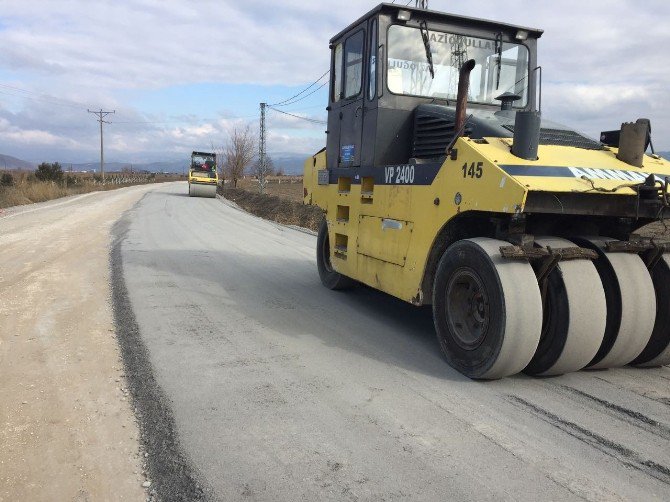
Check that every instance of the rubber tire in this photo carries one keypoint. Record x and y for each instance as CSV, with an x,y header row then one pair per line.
x,y
575,316
631,304
657,351
515,307
329,277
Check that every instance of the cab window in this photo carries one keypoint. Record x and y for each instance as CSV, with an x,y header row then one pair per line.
x,y
337,73
353,60
372,87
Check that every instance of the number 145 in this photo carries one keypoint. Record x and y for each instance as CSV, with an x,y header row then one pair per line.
x,y
474,170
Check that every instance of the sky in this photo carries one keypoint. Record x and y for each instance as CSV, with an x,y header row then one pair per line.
x,y
182,74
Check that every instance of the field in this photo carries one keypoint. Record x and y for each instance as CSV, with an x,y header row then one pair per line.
x,y
286,187
26,189
281,202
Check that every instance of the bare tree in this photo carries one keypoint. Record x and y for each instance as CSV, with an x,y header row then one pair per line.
x,y
239,153
262,172
220,152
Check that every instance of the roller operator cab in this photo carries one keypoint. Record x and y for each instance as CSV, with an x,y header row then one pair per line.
x,y
202,176
442,184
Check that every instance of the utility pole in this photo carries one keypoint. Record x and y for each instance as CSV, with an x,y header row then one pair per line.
x,y
261,150
101,115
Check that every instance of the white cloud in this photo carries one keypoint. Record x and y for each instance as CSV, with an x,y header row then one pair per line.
x,y
603,63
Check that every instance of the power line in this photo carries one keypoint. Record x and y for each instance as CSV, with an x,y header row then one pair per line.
x,y
286,101
26,94
314,121
183,121
303,108
306,95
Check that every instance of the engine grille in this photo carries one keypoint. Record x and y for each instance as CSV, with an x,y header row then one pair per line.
x,y
560,137
432,135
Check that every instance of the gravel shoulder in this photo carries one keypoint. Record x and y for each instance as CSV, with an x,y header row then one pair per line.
x,y
67,430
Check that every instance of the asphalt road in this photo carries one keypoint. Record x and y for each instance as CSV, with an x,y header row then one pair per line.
x,y
282,390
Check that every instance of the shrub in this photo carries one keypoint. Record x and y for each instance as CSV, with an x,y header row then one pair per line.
x,y
49,172
6,180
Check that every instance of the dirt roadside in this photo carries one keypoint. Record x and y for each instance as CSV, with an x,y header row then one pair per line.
x,y
67,431
284,208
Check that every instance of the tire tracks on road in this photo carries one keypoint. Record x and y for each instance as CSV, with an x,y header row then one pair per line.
x,y
625,455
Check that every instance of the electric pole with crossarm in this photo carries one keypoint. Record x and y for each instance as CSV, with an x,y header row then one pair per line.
x,y
101,115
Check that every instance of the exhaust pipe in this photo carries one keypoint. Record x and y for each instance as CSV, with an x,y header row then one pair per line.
x,y
526,134
462,96
461,105
633,141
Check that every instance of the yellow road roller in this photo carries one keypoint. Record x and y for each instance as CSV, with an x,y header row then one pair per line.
x,y
442,184
202,176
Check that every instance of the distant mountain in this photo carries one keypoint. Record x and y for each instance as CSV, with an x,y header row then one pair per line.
x,y
289,163
173,166
9,162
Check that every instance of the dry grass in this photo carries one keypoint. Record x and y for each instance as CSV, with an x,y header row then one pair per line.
x,y
27,190
281,202
286,187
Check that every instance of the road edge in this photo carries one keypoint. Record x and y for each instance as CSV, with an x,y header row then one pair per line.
x,y
171,473
236,206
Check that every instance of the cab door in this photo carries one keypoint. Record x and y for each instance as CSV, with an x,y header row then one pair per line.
x,y
351,102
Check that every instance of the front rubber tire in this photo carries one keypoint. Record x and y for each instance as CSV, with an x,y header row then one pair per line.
x,y
575,314
329,277
487,310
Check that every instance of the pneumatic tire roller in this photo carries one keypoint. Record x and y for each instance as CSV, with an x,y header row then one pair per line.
x,y
442,184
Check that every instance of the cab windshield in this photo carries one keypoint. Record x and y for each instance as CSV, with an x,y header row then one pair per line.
x,y
409,73
203,164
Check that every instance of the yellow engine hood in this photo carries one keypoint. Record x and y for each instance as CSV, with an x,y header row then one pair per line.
x,y
564,168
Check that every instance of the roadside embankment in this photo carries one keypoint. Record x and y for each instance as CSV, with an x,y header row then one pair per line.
x,y
281,209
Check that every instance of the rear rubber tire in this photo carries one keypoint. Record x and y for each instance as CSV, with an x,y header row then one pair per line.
x,y
487,310
657,351
329,277
631,304
575,314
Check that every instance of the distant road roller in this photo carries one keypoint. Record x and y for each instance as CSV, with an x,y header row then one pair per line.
x,y
442,185
202,176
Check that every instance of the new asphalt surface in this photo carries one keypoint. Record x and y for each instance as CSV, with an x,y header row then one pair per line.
x,y
253,381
